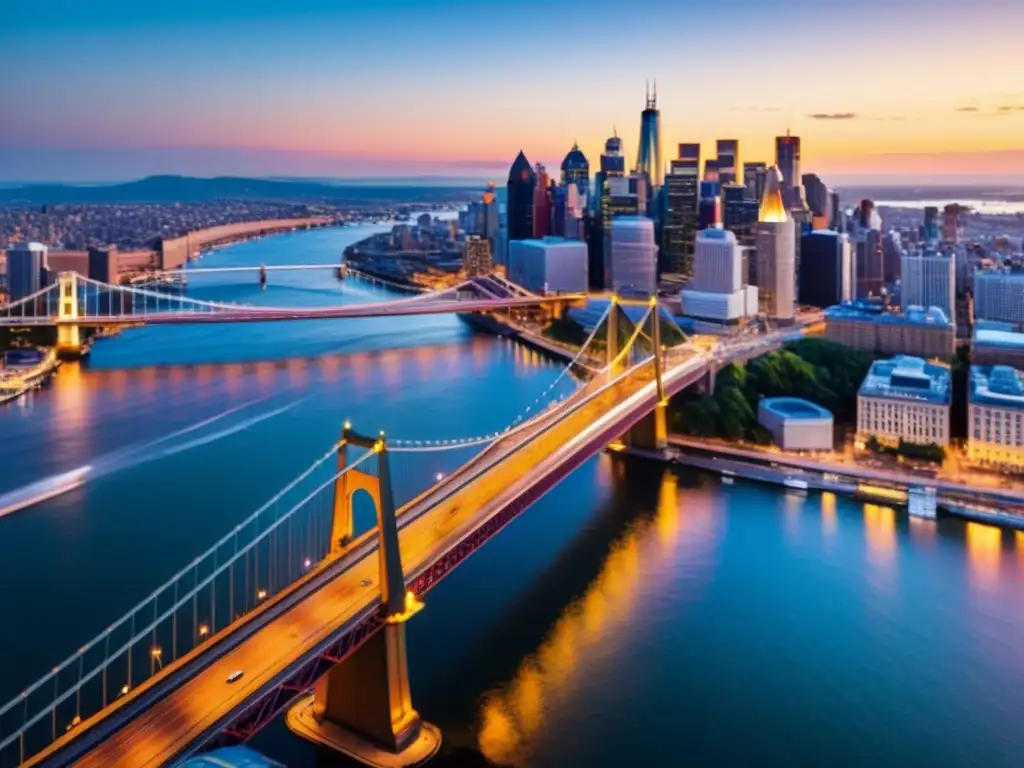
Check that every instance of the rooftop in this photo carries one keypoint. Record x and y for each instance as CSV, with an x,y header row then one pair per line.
x,y
795,408
1000,273
997,385
716,234
908,378
991,338
550,241
932,316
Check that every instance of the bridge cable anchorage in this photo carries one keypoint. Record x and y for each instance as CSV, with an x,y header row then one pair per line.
x,y
147,633
417,446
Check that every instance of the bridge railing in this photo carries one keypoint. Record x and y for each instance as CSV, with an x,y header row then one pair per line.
x,y
276,545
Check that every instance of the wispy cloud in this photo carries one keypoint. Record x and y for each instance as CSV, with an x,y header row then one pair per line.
x,y
966,109
834,116
1011,108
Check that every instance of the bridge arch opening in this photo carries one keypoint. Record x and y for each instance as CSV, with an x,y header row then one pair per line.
x,y
363,503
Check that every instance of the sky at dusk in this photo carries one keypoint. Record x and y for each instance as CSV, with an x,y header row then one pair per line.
x,y
883,89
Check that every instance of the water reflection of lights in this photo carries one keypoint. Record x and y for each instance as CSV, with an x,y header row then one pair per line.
x,y
880,527
513,715
984,548
1019,539
828,514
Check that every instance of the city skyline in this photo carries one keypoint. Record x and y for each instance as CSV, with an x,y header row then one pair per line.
x,y
350,89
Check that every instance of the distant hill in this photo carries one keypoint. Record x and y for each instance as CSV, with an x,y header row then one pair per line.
x,y
186,189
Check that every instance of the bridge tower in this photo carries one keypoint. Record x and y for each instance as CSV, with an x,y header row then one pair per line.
x,y
651,432
363,706
69,338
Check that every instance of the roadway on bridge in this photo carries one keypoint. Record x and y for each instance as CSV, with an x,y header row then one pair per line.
x,y
195,708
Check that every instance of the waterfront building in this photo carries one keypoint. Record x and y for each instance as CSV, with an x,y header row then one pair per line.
x,y
717,291
26,264
905,398
548,265
728,161
648,156
576,170
476,256
928,280
826,269
632,261
816,193
869,263
522,182
796,424
917,331
997,344
776,253
682,197
999,295
541,202
787,161
995,416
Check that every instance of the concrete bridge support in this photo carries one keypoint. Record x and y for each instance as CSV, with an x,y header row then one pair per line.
x,y
363,706
69,335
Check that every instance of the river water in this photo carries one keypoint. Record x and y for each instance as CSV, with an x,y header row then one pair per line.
x,y
635,616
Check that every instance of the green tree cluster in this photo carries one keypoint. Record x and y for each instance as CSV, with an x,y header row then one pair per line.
x,y
814,369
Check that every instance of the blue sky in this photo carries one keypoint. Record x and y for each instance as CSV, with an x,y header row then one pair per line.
x,y
118,89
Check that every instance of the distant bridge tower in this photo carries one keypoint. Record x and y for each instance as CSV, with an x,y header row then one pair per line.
x,y
651,432
363,706
69,335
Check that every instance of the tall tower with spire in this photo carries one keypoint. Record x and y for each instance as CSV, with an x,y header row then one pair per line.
x,y
648,156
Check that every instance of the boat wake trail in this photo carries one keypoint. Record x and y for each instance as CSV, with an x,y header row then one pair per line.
x,y
133,456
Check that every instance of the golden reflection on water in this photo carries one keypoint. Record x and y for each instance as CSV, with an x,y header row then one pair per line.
x,y
512,715
880,527
828,515
984,548
1018,537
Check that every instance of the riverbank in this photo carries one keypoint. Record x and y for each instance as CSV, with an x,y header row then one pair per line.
x,y
867,485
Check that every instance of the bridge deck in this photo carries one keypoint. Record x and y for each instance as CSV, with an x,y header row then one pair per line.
x,y
198,701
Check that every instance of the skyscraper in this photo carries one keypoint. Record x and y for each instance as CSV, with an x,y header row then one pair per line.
x,y
951,227
648,156
476,256
753,180
776,252
709,210
576,170
825,269
787,160
631,266
931,224
739,215
870,269
816,193
541,202
519,205
728,160
25,265
928,280
717,291
682,198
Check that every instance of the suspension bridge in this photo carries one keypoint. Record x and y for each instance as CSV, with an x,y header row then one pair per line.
x,y
74,302
296,609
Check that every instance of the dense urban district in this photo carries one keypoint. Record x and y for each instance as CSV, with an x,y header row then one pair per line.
x,y
911,315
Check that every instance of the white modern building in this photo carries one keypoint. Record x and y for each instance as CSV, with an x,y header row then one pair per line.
x,y
717,291
549,265
796,424
776,253
631,264
905,398
995,416
928,279
999,295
